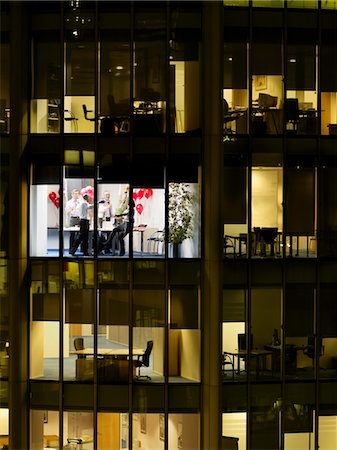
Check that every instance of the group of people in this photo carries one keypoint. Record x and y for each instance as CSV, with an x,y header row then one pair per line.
x,y
79,211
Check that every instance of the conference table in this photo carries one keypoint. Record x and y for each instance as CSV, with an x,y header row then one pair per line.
x,y
108,352
112,363
259,355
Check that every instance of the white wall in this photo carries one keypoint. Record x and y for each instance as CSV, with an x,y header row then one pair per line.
x,y
38,220
327,432
73,104
234,425
4,421
267,197
190,354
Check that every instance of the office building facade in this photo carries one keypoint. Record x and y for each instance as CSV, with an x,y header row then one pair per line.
x,y
168,225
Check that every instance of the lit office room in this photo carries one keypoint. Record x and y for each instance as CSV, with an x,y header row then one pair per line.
x,y
112,302
270,206
148,430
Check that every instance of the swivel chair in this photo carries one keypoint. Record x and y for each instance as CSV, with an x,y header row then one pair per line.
x,y
144,360
79,345
291,113
309,350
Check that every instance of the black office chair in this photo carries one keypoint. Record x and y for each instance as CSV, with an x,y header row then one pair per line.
x,y
291,114
86,111
230,443
144,360
268,236
242,346
227,361
309,350
79,345
229,117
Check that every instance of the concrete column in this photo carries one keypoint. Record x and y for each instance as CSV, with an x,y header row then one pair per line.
x,y
17,253
212,57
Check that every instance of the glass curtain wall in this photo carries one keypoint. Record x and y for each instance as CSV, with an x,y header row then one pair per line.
x,y
267,76
45,105
80,113
115,70
184,70
149,70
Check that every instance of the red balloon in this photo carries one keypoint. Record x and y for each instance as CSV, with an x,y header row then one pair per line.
x,y
52,196
148,192
135,195
139,208
57,202
140,193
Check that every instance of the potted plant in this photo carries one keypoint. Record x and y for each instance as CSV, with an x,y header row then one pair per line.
x,y
180,215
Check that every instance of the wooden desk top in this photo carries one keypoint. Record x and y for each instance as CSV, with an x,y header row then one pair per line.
x,y
108,351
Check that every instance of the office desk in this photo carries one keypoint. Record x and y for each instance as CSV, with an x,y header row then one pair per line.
x,y
112,365
271,117
260,355
290,350
111,352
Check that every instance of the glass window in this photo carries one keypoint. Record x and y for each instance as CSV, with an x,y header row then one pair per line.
x,y
267,81
46,297
115,70
300,211
300,341
4,85
328,74
235,207
234,430
300,108
148,320
78,214
44,429
185,69
327,223
4,320
149,96
233,325
45,109
235,92
184,220
183,431
78,429
184,334
267,215
78,328
147,431
79,100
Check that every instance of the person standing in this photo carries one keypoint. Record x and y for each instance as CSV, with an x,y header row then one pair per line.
x,y
124,228
73,209
104,209
83,235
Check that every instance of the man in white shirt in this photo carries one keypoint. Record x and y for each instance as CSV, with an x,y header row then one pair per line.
x,y
104,209
72,209
83,235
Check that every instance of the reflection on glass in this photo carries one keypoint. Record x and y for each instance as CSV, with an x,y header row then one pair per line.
x,y
184,335
329,113
45,103
44,429
44,220
79,318
45,327
78,429
4,320
185,70
4,85
149,73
